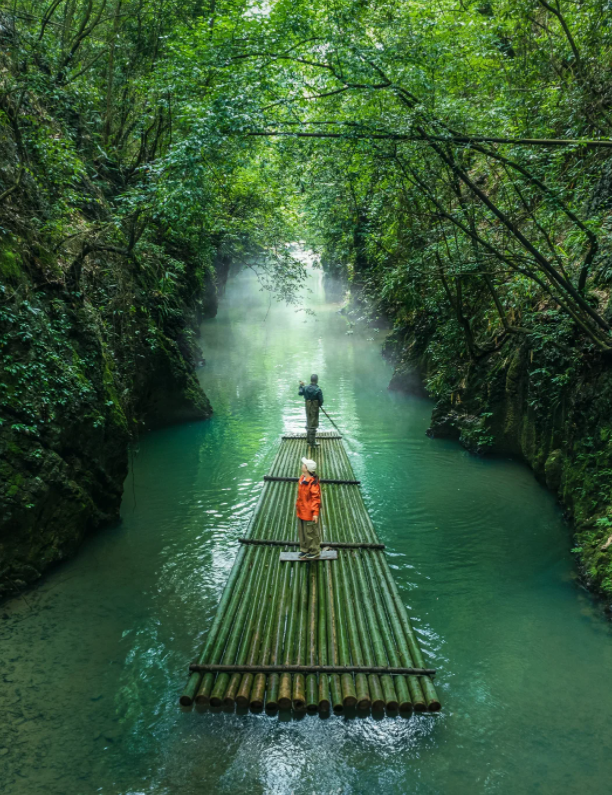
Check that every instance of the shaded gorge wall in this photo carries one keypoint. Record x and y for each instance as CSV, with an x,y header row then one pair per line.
x,y
528,402
83,373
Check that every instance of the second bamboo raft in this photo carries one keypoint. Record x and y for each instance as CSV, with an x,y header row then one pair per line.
x,y
344,616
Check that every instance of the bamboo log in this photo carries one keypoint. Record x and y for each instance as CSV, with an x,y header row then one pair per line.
x,y
299,683
229,698
308,669
303,436
349,696
376,697
361,683
312,699
401,685
218,633
291,479
276,605
330,544
236,574
332,642
401,696
402,700
274,679
281,692
234,682
285,690
324,702
375,687
380,654
414,650
242,697
259,684
414,686
218,691
424,685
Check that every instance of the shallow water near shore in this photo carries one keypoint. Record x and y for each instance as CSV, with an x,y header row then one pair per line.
x,y
93,660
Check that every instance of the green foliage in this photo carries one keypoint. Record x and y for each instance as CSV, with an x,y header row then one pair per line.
x,y
10,266
41,374
407,143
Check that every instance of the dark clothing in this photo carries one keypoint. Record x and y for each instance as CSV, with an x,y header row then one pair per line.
x,y
312,421
311,392
310,537
312,414
313,398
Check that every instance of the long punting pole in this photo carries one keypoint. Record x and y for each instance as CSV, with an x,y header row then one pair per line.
x,y
318,635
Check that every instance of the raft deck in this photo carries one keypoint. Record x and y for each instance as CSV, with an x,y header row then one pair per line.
x,y
312,635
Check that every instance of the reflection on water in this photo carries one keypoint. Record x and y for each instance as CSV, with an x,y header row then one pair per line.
x,y
93,661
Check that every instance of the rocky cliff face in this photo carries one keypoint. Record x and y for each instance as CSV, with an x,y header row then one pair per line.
x,y
509,403
81,374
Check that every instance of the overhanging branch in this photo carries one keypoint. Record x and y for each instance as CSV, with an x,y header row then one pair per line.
x,y
458,139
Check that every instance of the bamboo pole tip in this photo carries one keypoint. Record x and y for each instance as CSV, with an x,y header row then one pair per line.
x,y
284,703
405,706
392,706
419,706
349,701
202,701
378,705
299,704
312,708
434,705
185,701
324,705
338,709
242,701
257,703
364,704
228,701
215,701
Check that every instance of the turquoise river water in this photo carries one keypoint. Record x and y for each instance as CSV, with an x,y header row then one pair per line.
x,y
93,660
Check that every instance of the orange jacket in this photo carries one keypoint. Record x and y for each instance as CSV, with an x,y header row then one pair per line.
x,y
308,501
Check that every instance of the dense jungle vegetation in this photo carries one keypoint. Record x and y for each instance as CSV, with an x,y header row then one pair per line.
x,y
450,161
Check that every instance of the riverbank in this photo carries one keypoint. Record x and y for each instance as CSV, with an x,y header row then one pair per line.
x,y
105,276
83,374
539,405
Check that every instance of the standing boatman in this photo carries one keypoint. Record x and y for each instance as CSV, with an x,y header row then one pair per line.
x,y
313,398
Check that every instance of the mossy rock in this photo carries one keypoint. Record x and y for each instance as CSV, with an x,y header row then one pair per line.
x,y
553,470
10,266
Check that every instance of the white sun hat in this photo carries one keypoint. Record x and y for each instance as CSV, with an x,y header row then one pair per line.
x,y
310,465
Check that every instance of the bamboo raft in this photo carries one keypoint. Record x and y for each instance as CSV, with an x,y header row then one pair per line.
x,y
315,635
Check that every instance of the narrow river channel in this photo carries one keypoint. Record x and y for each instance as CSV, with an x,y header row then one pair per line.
x,y
93,660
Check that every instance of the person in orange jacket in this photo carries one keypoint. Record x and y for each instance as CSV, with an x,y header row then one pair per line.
x,y
308,506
